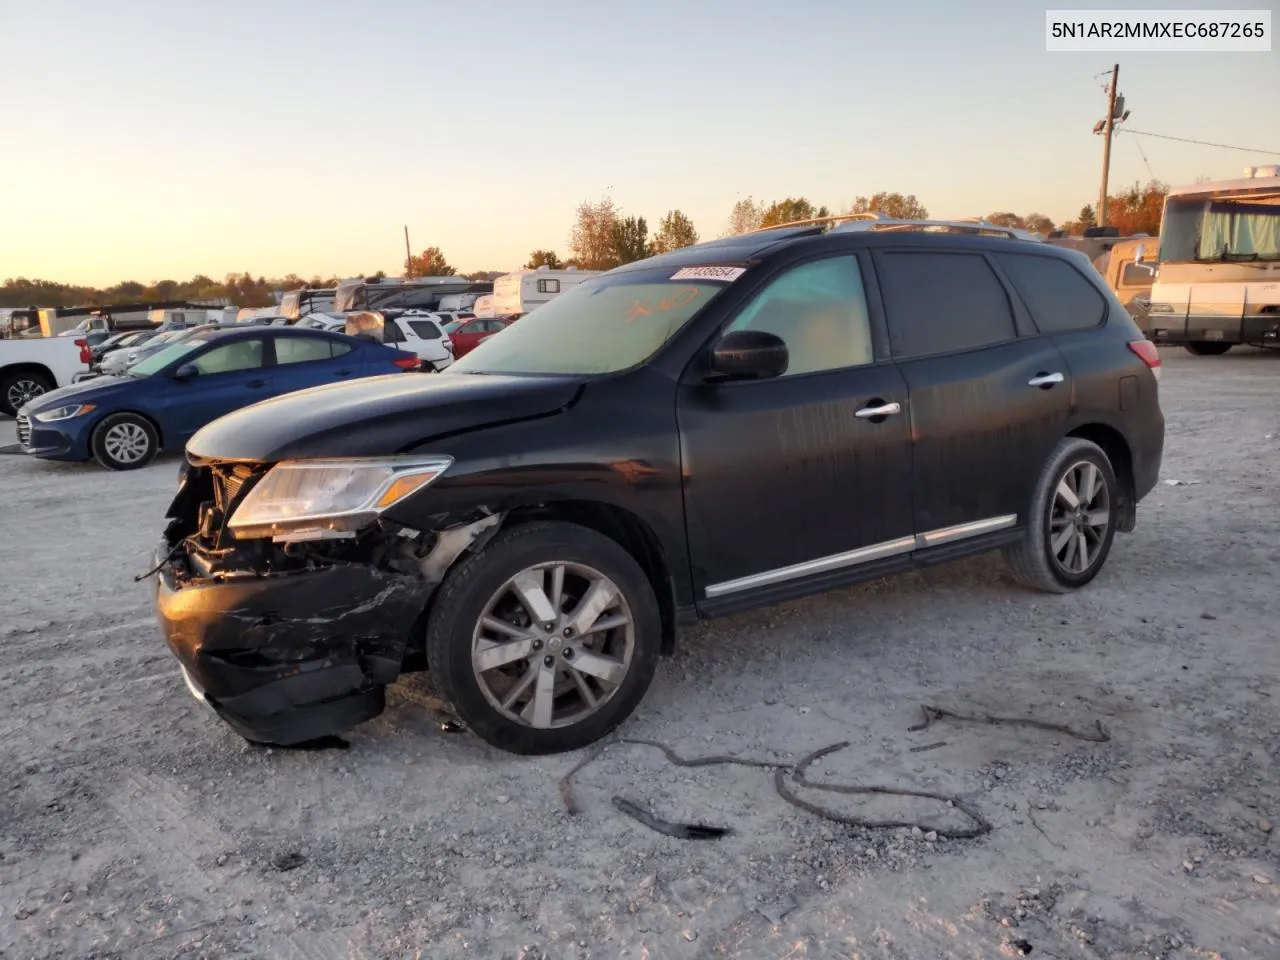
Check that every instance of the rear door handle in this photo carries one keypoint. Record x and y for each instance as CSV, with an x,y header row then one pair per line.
x,y
1045,380
255,384
884,410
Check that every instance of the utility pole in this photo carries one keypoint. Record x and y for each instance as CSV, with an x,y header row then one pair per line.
x,y
1106,146
408,255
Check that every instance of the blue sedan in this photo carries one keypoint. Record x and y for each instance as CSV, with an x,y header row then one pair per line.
x,y
159,402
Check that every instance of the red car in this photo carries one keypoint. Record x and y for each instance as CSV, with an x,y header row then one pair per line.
x,y
466,334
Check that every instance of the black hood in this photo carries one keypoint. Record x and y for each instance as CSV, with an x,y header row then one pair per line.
x,y
378,416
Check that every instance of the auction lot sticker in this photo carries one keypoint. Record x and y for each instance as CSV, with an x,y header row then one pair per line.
x,y
723,274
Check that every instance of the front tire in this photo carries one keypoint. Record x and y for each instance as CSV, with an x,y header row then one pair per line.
x,y
1208,348
125,441
1072,521
19,389
546,639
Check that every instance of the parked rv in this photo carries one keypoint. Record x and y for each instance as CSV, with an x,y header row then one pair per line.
x,y
515,294
1218,265
420,293
297,304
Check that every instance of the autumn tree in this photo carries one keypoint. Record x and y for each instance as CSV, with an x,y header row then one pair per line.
x,y
630,240
591,240
543,258
1005,219
745,217
429,263
894,205
1138,209
790,210
484,274
675,231
1038,223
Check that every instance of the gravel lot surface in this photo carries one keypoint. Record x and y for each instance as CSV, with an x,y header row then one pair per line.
x,y
134,824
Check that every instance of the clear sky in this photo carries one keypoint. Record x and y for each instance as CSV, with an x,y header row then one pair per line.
x,y
145,139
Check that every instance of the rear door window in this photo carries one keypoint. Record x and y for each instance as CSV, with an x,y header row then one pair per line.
x,y
1057,294
942,302
425,329
302,349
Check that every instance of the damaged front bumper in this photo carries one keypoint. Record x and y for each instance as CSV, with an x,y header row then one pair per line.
x,y
290,657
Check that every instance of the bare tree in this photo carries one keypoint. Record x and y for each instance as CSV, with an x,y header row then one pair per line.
x,y
892,205
745,217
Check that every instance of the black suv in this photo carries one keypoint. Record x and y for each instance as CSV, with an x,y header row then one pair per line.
x,y
733,424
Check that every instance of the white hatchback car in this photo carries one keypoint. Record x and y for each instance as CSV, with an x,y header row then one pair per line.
x,y
420,332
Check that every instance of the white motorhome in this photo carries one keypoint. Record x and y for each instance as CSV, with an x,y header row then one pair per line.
x,y
515,294
1217,275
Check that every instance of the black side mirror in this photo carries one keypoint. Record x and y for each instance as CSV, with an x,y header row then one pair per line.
x,y
187,371
749,355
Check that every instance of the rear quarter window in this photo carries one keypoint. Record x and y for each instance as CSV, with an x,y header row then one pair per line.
x,y
425,329
943,302
1058,295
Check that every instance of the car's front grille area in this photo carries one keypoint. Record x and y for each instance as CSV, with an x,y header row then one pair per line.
x,y
24,431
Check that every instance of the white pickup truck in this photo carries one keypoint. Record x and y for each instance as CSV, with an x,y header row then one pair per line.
x,y
30,366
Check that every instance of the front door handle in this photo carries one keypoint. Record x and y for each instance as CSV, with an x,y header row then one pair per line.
x,y
344,373
255,384
1045,380
883,410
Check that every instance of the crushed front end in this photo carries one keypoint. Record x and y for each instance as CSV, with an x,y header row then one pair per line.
x,y
288,639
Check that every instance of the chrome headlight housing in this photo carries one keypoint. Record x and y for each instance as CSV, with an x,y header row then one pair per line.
x,y
68,412
326,499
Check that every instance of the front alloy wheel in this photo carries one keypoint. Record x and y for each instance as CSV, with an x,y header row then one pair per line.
x,y
554,645
546,638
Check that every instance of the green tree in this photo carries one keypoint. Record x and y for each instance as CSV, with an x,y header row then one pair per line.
x,y
894,205
1005,219
543,258
591,239
429,263
789,211
675,231
1087,217
630,240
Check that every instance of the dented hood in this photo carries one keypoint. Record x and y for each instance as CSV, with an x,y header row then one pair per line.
x,y
378,416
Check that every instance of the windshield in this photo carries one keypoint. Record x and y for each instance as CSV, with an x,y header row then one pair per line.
x,y
1201,229
601,326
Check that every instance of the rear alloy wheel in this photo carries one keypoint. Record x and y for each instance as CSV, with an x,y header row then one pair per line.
x,y
546,639
19,389
125,441
1072,520
1208,348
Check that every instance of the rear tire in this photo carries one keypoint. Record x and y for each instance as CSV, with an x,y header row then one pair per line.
x,y
560,680
125,441
1208,348
1066,542
20,388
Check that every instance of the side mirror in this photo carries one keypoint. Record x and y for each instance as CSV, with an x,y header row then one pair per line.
x,y
749,355
187,371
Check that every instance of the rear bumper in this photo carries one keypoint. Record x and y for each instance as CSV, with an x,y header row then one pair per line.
x,y
288,658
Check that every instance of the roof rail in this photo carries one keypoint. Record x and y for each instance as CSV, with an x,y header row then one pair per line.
x,y
870,221
972,225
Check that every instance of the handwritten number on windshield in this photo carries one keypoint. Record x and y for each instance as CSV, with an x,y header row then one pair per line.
x,y
672,301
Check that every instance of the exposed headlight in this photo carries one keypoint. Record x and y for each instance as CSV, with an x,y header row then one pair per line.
x,y
323,499
64,413
1161,308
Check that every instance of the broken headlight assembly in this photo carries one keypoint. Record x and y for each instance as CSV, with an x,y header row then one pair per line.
x,y
301,500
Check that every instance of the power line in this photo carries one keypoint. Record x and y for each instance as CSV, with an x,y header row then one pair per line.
x,y
1138,144
1203,143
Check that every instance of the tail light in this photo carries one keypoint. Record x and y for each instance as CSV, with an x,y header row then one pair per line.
x,y
407,362
86,355
1148,354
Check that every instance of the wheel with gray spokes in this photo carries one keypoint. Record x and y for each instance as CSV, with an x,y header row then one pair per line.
x,y
19,389
125,441
545,639
1071,523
